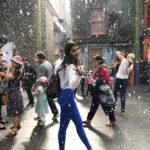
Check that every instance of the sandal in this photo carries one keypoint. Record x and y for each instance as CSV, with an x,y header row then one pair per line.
x,y
87,123
111,124
11,133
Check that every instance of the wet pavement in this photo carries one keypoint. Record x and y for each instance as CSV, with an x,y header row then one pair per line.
x,y
131,133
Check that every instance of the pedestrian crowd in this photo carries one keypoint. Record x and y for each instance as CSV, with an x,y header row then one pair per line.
x,y
103,85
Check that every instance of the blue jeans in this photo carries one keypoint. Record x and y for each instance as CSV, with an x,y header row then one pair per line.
x,y
69,111
120,88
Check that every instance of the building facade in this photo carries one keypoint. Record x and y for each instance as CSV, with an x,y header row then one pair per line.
x,y
62,22
102,27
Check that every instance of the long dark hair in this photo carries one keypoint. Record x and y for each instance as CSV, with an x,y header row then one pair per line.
x,y
69,59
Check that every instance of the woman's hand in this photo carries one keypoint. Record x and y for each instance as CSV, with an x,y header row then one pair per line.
x,y
79,70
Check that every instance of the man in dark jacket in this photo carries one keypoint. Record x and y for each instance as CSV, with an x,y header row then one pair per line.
x,y
29,78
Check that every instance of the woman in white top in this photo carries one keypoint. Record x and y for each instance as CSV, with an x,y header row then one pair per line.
x,y
70,75
122,76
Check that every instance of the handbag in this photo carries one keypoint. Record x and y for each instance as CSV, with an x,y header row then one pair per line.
x,y
106,95
53,88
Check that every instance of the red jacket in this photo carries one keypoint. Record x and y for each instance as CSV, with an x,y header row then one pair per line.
x,y
103,73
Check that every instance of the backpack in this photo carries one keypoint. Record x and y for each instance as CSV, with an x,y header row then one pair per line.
x,y
106,96
53,88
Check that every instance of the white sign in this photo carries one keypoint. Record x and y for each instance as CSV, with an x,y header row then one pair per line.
x,y
7,51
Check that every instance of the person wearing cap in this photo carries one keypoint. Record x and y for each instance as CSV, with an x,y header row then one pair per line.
x,y
15,97
41,108
70,74
122,76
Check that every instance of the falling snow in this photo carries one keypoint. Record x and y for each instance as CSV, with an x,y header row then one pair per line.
x,y
99,27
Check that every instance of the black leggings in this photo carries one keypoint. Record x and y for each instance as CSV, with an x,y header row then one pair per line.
x,y
94,106
109,111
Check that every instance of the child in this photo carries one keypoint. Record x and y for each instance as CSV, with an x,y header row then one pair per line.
x,y
41,107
